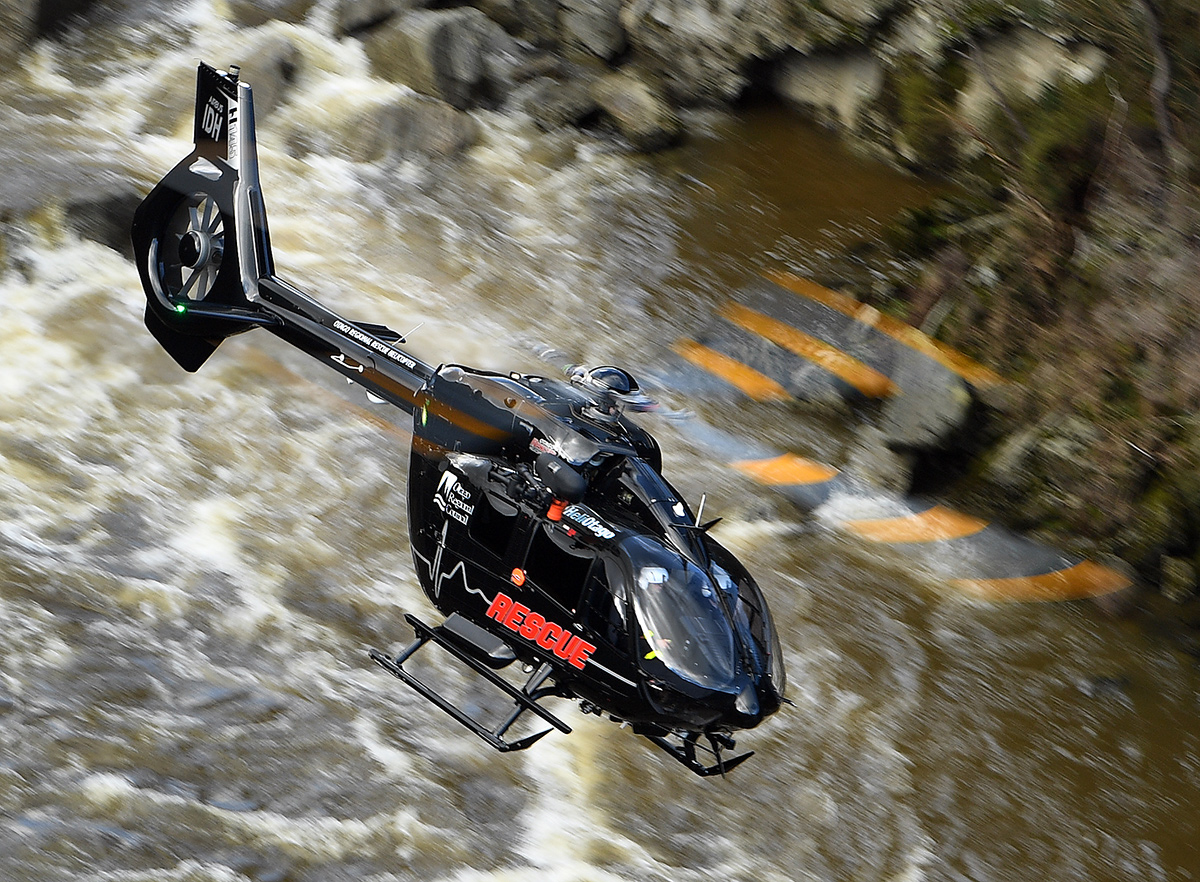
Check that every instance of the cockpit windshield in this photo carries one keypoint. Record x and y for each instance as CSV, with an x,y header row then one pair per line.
x,y
680,616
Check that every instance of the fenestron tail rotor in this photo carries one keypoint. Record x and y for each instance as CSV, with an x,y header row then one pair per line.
x,y
187,258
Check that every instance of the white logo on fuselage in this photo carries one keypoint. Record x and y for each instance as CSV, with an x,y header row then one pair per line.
x,y
588,521
453,498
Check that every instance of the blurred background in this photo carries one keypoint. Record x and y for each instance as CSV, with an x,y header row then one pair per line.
x,y
192,566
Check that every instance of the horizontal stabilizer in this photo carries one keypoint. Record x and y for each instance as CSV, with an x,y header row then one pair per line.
x,y
380,332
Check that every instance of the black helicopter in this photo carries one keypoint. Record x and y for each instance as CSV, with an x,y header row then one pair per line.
x,y
540,521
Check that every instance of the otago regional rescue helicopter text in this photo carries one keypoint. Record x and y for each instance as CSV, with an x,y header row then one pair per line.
x,y
540,522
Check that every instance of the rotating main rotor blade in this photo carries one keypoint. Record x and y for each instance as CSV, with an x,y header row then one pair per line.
x,y
980,559
789,338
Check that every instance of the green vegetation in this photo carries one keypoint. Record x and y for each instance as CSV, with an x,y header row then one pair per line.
x,y
1073,235
921,100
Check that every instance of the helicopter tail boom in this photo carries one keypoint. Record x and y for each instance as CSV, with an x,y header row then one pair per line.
x,y
203,251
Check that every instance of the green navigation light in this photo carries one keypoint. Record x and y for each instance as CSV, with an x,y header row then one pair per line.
x,y
181,308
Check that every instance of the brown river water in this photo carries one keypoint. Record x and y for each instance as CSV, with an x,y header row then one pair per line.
x,y
192,566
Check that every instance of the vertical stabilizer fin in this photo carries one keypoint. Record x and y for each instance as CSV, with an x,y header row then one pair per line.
x,y
200,236
216,124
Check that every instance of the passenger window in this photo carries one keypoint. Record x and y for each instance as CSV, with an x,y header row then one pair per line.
x,y
556,568
493,527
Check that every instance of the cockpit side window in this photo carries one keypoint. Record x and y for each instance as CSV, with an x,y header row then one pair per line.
x,y
634,493
604,610
634,512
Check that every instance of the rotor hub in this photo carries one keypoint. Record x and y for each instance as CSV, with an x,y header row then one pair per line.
x,y
195,248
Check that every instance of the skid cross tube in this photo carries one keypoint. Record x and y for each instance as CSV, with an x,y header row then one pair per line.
x,y
524,699
533,690
685,753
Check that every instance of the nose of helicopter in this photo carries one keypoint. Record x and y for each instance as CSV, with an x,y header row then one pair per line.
x,y
747,709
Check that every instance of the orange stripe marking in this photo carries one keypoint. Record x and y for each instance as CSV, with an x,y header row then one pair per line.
x,y
785,470
865,379
967,368
927,526
1086,579
758,386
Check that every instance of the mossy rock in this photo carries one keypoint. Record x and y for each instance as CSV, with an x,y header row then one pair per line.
x,y
1158,529
919,99
1066,132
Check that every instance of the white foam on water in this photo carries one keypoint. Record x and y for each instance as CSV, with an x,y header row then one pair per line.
x,y
746,537
395,763
36,365
564,830
211,534
860,504
29,641
308,837
184,871
579,872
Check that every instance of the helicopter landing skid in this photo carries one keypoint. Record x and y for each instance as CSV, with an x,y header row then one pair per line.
x,y
685,751
481,652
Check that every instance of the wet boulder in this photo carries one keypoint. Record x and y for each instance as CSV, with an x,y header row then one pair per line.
x,y
1106,687
1009,465
871,459
355,17
593,25
702,51
17,19
53,16
932,409
535,21
401,125
271,63
1178,578
639,112
1160,536
835,90
861,13
1069,476
417,125
457,55
1053,449
1021,65
107,216
553,104
252,13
